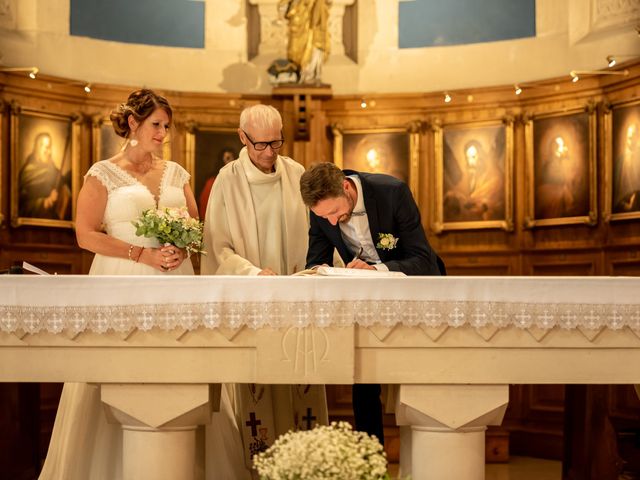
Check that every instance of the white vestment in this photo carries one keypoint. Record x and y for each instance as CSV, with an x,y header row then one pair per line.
x,y
254,221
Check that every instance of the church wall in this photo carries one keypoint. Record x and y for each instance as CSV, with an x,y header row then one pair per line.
x,y
570,34
608,247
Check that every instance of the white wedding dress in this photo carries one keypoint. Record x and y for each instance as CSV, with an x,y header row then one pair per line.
x,y
83,445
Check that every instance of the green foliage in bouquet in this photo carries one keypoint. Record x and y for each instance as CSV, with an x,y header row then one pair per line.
x,y
327,452
171,226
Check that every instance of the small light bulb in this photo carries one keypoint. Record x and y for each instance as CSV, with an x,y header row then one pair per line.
x,y
518,90
575,78
87,88
32,75
612,61
363,103
447,98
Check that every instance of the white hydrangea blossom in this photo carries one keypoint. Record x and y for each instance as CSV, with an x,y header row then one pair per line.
x,y
326,452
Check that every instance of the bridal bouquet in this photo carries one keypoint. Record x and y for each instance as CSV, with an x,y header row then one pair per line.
x,y
171,226
327,452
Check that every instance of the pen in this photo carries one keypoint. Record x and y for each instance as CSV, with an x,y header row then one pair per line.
x,y
357,254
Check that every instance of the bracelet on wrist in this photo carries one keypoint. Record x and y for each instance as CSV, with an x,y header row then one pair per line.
x,y
130,252
139,254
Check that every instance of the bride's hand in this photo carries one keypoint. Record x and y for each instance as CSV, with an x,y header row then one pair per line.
x,y
172,257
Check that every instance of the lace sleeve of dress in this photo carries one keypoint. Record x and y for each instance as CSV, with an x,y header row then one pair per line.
x,y
177,176
107,176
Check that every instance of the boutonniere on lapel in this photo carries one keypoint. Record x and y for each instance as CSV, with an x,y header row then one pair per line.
x,y
386,241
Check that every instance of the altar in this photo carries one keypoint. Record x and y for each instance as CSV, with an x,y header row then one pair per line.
x,y
160,346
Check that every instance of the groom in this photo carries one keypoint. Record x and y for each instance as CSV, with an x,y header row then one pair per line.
x,y
374,223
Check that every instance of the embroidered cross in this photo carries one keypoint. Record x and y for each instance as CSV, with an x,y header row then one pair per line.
x,y
387,316
211,319
309,418
56,322
615,317
322,317
253,423
545,318
479,318
591,319
188,319
433,317
523,318
457,316
301,317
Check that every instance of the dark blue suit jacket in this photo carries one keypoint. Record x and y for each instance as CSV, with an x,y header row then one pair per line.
x,y
390,209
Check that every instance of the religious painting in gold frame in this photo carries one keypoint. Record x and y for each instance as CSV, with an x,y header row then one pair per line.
x,y
208,149
622,161
561,168
44,167
474,176
393,151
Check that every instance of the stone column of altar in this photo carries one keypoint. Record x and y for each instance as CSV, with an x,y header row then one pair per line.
x,y
159,425
447,428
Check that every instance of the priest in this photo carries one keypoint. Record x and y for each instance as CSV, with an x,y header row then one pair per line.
x,y
256,224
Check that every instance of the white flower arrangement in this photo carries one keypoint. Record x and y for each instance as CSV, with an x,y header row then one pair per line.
x,y
386,241
326,452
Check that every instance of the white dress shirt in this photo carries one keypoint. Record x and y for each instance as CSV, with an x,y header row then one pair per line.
x,y
356,232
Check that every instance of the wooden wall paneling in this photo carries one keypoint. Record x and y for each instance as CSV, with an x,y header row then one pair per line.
x,y
622,261
535,419
474,264
563,263
590,444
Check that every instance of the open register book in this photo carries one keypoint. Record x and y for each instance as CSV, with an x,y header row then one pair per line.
x,y
327,271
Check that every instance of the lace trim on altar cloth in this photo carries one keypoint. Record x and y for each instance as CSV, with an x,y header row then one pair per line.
x,y
255,315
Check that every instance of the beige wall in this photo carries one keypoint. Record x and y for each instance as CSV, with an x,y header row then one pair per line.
x,y
572,34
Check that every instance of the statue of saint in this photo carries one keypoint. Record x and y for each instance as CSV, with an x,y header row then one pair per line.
x,y
308,36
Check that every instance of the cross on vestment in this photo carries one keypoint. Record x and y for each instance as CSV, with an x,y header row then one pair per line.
x,y
253,423
308,418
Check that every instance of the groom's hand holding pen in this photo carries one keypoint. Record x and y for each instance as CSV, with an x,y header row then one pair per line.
x,y
357,262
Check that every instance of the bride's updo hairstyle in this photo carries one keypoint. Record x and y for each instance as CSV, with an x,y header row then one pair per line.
x,y
140,104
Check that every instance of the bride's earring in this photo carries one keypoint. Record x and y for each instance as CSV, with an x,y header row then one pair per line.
x,y
133,142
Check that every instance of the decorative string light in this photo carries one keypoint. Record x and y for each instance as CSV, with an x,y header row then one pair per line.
x,y
32,71
518,90
612,60
447,98
87,88
363,103
575,74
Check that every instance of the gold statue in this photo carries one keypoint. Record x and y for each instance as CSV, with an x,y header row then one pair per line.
x,y
308,36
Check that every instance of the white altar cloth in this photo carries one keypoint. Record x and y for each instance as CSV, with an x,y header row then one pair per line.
x,y
78,303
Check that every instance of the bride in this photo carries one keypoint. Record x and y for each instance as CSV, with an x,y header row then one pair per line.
x,y
115,192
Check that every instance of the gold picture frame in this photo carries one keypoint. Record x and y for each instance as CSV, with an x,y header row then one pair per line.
x,y
2,110
105,142
561,180
44,158
389,146
622,152
208,148
474,175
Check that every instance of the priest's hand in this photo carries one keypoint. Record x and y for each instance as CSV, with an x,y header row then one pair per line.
x,y
267,271
360,264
